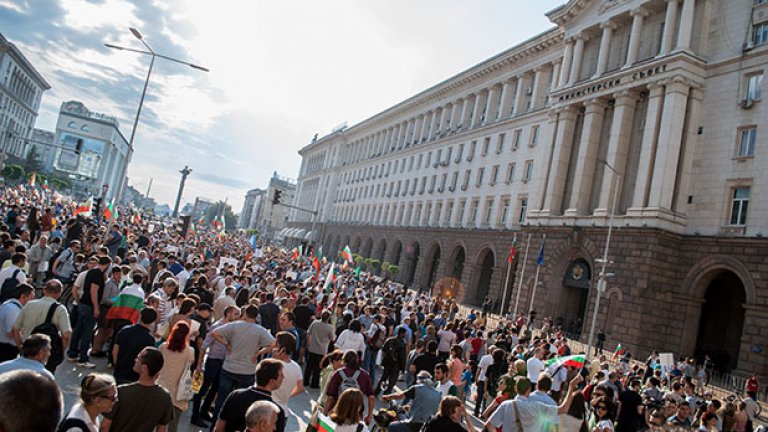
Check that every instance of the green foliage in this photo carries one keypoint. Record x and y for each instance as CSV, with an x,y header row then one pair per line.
x,y
229,216
251,231
14,172
32,163
393,270
358,258
374,263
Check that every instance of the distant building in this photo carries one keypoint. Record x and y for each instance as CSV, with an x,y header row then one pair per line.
x,y
270,219
251,208
21,90
200,206
47,153
92,152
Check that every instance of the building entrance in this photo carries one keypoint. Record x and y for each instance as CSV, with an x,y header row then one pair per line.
x,y
722,321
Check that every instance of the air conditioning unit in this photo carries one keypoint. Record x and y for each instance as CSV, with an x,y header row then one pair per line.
x,y
436,164
440,189
463,187
457,160
529,91
748,45
469,158
747,103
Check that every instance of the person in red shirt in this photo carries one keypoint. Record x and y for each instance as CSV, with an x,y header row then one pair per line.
x,y
46,221
752,386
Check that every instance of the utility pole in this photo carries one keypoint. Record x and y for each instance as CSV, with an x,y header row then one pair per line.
x,y
184,173
149,187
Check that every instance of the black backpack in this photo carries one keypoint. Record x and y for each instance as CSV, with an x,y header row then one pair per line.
x,y
72,423
389,354
49,329
8,289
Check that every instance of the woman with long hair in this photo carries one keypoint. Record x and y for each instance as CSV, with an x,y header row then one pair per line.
x,y
178,356
98,393
505,390
605,414
456,369
448,417
352,338
575,419
347,414
332,362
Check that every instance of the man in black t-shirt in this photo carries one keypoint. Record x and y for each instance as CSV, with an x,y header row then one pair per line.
x,y
269,312
82,335
269,377
130,341
427,360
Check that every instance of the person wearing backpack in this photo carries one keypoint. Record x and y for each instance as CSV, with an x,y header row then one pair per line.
x,y
375,338
350,376
9,311
34,319
63,265
12,276
393,356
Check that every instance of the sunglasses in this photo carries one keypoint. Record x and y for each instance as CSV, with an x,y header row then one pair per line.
x,y
601,407
112,398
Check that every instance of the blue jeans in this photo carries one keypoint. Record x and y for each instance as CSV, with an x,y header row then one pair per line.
x,y
82,335
211,379
369,362
228,382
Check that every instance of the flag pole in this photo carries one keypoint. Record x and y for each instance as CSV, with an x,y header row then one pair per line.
x,y
506,282
536,280
522,273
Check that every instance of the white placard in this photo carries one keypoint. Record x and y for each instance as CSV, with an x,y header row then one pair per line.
x,y
224,262
667,362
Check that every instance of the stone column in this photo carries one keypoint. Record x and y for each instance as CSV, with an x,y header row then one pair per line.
x,y
618,147
561,155
670,142
456,114
477,112
565,71
605,47
492,105
465,109
538,87
691,140
507,95
578,55
403,134
556,66
686,25
441,126
635,34
645,164
522,88
670,22
587,158
419,126
430,133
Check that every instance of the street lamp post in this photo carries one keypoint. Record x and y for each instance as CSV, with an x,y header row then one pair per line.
x,y
602,277
150,52
184,173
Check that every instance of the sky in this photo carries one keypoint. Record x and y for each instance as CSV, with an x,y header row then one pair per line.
x,y
280,72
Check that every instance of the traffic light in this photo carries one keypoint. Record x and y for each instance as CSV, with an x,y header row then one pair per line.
x,y
96,209
79,146
183,225
276,198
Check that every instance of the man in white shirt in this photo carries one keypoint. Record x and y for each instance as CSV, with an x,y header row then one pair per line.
x,y
18,260
9,312
482,367
535,365
293,383
184,276
165,308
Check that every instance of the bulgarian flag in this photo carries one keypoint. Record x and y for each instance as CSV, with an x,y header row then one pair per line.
x,y
325,424
575,361
32,179
109,211
316,264
136,217
45,185
126,307
619,351
296,254
86,207
329,278
512,251
347,254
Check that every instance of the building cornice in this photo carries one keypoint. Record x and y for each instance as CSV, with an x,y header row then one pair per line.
x,y
567,12
19,56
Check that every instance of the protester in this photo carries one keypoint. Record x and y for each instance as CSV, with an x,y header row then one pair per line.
x,y
426,401
346,413
261,416
269,377
98,394
177,359
33,356
44,314
9,312
131,341
87,313
319,336
449,417
293,383
29,401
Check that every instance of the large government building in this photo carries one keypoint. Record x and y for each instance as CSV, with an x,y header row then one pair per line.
x,y
649,110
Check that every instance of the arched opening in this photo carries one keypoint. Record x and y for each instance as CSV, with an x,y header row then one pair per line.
x,y
397,251
381,250
367,246
434,261
722,320
457,264
356,245
574,296
484,281
413,261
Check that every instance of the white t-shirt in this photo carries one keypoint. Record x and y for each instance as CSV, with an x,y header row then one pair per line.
x,y
535,367
7,273
351,340
482,367
292,373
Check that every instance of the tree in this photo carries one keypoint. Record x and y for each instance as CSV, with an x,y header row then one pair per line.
x,y
215,210
33,163
14,172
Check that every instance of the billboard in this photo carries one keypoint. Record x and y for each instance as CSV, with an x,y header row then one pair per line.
x,y
87,163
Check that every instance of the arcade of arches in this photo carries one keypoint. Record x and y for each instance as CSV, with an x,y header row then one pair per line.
x,y
705,297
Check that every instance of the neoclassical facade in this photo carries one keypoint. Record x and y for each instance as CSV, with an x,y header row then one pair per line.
x,y
650,111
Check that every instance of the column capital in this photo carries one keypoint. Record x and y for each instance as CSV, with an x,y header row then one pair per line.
x,y
581,37
672,1
540,68
641,12
626,97
595,105
656,88
570,110
608,25
556,63
678,84
569,40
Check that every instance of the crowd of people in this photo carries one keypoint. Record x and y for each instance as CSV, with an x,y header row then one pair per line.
x,y
229,329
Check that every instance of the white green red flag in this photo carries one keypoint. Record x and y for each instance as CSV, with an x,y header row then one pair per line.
x,y
619,351
575,361
512,251
325,424
347,254
109,211
32,179
86,207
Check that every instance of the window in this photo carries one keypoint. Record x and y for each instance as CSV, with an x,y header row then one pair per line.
x,y
72,125
439,157
472,148
488,211
85,128
754,83
486,145
523,209
418,164
410,164
442,182
534,135
432,183
473,212
448,155
510,172
494,174
747,141
460,214
461,153
500,143
739,206
448,211
454,179
760,34
429,160
467,174
516,139
480,175
528,170
505,210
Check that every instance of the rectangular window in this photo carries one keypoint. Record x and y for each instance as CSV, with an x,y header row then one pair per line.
x,y
505,211
448,211
739,206
429,160
421,159
439,157
461,153
747,141
460,214
454,180
472,148
500,143
432,183
473,212
494,174
405,189
467,174
534,135
528,170
516,139
410,163
523,209
510,172
760,34
486,145
488,211
480,175
448,155
754,84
